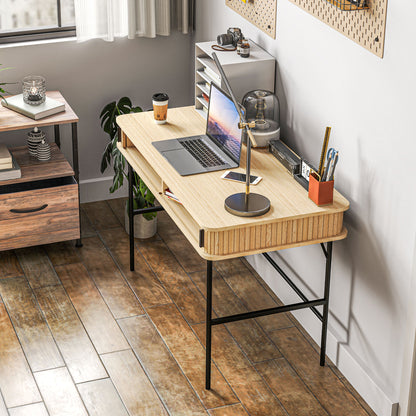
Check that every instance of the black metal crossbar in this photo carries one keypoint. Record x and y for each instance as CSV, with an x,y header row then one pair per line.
x,y
265,312
148,210
289,281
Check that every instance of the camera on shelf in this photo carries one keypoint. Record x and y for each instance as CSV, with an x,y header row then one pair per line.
x,y
232,36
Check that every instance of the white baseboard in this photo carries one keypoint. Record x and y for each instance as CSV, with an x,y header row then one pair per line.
x,y
337,351
97,189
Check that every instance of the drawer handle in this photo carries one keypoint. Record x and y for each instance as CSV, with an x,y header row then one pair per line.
x,y
26,210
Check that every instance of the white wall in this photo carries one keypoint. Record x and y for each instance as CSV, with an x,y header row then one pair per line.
x,y
408,384
323,78
94,73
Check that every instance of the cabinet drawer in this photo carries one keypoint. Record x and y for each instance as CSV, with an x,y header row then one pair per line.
x,y
38,212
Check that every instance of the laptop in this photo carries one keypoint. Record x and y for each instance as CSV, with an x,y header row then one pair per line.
x,y
218,149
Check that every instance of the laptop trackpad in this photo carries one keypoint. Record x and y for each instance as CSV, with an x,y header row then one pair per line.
x,y
183,162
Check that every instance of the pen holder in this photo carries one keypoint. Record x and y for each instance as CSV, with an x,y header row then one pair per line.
x,y
320,192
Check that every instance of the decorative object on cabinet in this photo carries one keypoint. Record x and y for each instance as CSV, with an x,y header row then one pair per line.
x,y
34,137
143,197
43,152
34,89
365,26
254,72
262,13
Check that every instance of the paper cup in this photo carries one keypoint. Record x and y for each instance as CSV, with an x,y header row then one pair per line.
x,y
160,107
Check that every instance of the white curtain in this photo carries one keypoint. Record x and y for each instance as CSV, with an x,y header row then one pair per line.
x,y
108,19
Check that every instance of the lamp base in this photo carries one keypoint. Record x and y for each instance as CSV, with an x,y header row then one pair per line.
x,y
254,206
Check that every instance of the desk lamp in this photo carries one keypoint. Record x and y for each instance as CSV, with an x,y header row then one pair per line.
x,y
243,204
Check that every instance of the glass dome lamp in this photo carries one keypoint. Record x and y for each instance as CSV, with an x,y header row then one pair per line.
x,y
262,107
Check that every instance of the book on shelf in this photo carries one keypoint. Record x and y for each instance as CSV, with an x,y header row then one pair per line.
x,y
5,157
13,173
48,108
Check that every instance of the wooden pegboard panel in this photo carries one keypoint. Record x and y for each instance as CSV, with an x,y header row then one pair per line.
x,y
365,27
262,13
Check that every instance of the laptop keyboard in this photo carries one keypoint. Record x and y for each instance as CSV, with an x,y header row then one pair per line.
x,y
202,153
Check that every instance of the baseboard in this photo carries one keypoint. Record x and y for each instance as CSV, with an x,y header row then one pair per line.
x,y
98,189
337,351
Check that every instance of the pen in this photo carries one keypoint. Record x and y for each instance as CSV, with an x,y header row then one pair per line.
x,y
328,165
332,169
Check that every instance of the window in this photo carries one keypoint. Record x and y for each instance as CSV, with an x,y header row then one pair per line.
x,y
24,20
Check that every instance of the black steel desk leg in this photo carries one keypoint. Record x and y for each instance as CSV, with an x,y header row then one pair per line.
x,y
326,304
131,218
75,165
208,327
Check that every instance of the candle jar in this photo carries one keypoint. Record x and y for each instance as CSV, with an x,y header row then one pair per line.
x,y
34,89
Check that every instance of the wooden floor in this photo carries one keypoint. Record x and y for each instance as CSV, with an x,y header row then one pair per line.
x,y
81,334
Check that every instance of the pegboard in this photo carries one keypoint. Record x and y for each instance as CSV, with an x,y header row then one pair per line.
x,y
262,13
365,27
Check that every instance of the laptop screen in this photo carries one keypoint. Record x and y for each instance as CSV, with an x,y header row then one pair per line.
x,y
222,123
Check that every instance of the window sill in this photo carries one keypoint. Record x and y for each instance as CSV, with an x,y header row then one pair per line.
x,y
37,42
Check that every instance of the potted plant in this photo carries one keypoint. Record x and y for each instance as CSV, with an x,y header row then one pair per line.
x,y
145,225
2,90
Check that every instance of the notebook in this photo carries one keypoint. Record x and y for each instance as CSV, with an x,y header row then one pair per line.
x,y
218,149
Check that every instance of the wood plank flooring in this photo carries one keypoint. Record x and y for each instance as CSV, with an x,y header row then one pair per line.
x,y
82,335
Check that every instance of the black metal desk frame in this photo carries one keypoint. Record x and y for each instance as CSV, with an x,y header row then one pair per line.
x,y
75,164
210,322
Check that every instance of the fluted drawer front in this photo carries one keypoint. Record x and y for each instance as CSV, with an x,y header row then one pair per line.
x,y
274,235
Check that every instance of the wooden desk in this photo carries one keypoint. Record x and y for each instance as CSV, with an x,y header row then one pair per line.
x,y
293,220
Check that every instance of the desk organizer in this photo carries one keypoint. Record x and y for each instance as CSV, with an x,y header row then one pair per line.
x,y
322,193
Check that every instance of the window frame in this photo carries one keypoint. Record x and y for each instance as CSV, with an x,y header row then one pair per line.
x,y
45,33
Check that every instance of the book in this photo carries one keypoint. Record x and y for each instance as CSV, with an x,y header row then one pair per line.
x,y
13,173
7,165
49,107
172,196
5,155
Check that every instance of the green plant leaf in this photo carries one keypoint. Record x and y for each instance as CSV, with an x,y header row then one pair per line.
x,y
143,197
107,109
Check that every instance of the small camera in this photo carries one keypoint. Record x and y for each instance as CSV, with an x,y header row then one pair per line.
x,y
232,36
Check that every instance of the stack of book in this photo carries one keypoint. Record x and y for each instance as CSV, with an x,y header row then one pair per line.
x,y
9,169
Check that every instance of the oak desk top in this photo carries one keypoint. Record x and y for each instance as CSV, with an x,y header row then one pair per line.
x,y
11,120
293,219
